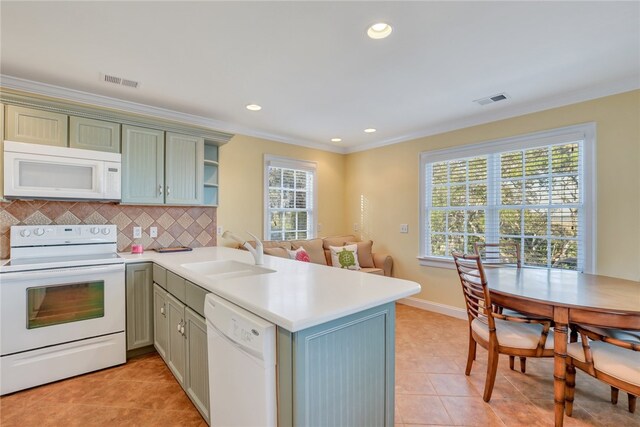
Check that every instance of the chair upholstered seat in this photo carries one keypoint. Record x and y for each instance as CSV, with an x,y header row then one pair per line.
x,y
609,359
619,334
514,334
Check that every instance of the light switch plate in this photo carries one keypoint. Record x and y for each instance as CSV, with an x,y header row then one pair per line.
x,y
219,230
137,232
404,228
356,226
153,232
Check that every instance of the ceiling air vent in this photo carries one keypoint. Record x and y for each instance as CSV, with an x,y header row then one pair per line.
x,y
492,99
119,81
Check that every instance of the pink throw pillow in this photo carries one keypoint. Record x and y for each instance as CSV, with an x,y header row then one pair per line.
x,y
299,255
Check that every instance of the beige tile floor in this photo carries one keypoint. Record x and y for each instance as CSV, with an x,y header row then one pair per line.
x,y
431,389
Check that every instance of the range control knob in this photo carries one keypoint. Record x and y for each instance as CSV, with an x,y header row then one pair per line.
x,y
106,231
94,230
39,231
25,233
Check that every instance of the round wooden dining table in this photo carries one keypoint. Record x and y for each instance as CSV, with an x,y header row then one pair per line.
x,y
566,297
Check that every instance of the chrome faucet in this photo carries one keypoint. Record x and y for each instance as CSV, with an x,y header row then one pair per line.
x,y
257,252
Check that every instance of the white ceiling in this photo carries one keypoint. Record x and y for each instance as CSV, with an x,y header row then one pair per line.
x,y
316,73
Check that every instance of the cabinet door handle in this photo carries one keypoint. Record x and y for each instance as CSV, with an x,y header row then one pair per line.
x,y
160,189
180,327
182,331
168,190
162,310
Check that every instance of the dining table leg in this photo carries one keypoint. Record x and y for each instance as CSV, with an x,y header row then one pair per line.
x,y
561,320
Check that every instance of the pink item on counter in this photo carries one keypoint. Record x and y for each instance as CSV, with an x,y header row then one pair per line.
x,y
136,249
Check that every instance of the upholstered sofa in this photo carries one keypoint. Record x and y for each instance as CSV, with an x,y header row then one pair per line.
x,y
319,253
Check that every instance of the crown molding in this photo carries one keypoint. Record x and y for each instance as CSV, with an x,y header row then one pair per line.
x,y
44,89
72,95
574,97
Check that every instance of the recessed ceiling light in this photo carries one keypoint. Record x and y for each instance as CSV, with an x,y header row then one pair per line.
x,y
370,130
336,139
379,30
253,107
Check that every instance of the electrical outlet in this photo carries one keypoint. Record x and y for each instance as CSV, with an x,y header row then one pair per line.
x,y
404,228
153,232
219,230
137,232
319,227
356,226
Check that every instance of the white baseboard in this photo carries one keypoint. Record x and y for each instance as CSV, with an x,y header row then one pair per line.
x,y
436,307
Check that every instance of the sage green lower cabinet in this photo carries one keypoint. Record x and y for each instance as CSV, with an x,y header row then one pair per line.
x,y
160,321
139,295
177,348
180,334
90,134
338,373
197,372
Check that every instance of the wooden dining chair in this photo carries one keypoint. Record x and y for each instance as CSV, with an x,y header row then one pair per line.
x,y
496,332
497,255
503,253
612,356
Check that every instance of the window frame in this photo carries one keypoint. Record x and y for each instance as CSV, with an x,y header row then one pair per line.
x,y
585,132
290,163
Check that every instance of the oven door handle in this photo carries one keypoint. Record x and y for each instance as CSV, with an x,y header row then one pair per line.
x,y
62,272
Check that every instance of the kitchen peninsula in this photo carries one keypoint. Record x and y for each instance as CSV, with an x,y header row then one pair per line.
x,y
335,329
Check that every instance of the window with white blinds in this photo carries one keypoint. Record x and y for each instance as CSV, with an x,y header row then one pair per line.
x,y
534,190
290,208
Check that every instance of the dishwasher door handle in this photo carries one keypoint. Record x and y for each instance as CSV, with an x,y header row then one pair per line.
x,y
235,343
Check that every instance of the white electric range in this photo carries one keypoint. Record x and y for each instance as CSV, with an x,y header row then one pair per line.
x,y
62,304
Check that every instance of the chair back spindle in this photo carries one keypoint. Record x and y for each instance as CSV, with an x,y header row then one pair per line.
x,y
474,288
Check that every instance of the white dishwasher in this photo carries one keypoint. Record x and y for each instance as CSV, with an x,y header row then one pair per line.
x,y
242,366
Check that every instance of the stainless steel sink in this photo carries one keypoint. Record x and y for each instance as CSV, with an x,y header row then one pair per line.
x,y
226,269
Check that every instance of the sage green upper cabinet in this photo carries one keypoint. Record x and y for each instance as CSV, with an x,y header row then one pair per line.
x,y
156,172
36,126
184,170
93,134
142,165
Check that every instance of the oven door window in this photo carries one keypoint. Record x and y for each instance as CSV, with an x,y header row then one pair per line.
x,y
52,305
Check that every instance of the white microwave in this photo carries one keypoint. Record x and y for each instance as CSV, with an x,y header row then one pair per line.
x,y
35,171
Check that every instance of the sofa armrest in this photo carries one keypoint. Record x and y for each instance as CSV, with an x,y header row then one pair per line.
x,y
383,261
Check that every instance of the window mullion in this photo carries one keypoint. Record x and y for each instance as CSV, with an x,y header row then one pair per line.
x,y
465,236
493,186
549,200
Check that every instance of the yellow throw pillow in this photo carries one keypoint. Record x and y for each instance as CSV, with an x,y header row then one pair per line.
x,y
279,252
365,257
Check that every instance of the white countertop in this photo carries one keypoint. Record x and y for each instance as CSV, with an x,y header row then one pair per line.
x,y
296,296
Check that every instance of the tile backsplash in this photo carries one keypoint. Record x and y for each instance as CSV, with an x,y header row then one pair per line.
x,y
177,226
